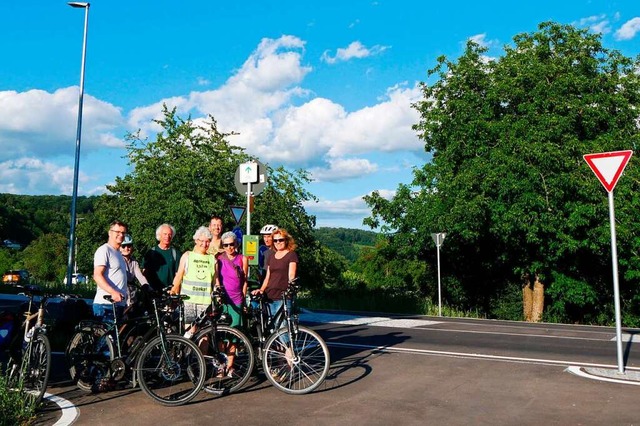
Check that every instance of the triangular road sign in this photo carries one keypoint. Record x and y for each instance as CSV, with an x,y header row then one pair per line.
x,y
237,212
608,166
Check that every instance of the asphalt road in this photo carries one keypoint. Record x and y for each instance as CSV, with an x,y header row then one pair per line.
x,y
412,370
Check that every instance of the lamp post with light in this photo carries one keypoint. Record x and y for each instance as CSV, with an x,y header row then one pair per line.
x,y
74,197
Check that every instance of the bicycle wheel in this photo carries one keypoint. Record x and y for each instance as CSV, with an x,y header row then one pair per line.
x,y
89,355
303,370
229,357
171,370
37,358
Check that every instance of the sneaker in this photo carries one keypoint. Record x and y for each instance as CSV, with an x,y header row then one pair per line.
x,y
230,372
221,373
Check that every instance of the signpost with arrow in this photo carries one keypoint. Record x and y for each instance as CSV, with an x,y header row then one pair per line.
x,y
608,167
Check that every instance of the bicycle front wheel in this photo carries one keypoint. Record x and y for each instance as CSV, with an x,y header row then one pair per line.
x,y
296,363
171,370
89,355
229,357
38,366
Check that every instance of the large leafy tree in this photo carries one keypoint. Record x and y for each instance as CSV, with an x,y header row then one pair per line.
x,y
507,180
183,177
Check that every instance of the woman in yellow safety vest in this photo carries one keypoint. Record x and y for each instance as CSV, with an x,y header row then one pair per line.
x,y
195,277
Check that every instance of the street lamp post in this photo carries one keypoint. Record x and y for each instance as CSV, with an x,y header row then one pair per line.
x,y
74,197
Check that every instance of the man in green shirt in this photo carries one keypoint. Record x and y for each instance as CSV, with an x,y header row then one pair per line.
x,y
161,262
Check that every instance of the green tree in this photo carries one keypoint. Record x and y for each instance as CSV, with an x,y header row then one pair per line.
x,y
507,181
183,177
46,257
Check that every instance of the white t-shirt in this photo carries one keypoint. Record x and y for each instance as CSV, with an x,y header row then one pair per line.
x,y
116,272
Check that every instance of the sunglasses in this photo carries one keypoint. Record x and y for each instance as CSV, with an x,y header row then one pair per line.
x,y
127,246
278,240
228,245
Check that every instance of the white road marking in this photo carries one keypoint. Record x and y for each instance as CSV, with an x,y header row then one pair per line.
x,y
580,372
475,356
363,320
69,411
346,319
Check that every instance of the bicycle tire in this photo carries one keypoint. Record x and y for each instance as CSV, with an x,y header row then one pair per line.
x,y
216,358
306,370
88,364
173,376
38,366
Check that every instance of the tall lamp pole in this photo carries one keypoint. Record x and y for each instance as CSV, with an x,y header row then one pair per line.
x,y
74,197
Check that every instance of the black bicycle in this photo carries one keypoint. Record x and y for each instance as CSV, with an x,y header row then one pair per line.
x,y
29,361
295,359
227,351
169,368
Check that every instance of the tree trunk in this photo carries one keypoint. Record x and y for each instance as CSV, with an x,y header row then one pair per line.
x,y
527,298
538,301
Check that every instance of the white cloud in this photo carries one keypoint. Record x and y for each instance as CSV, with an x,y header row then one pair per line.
x,y
628,29
40,122
348,207
354,50
259,102
35,176
344,168
595,23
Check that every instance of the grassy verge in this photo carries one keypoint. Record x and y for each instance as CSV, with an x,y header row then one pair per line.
x,y
377,300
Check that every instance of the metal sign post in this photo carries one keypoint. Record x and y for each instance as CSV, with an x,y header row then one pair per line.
x,y
439,239
608,167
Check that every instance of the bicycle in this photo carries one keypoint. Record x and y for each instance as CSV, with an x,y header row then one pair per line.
x,y
227,351
29,363
169,368
295,359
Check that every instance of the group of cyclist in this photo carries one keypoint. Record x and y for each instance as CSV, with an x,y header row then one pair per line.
x,y
214,262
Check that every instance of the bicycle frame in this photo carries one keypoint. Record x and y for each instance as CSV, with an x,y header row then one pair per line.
x,y
266,320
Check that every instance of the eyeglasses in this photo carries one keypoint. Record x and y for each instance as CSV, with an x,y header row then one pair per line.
x,y
129,246
117,232
279,240
204,241
228,244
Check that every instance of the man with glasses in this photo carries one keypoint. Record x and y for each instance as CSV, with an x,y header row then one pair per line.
x,y
110,274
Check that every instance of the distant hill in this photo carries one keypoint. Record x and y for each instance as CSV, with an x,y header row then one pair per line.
x,y
23,218
346,241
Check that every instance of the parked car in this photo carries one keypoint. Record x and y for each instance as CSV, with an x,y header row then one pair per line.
x,y
76,279
16,276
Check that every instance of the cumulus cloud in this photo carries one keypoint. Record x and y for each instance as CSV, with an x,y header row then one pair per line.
x,y
40,122
354,50
595,23
344,168
35,176
628,30
280,122
348,207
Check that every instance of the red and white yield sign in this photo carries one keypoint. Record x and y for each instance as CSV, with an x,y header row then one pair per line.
x,y
608,166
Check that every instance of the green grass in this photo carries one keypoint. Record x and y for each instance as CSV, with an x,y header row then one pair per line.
x,y
15,406
377,300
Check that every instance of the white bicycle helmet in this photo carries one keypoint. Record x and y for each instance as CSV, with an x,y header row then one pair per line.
x,y
127,240
268,229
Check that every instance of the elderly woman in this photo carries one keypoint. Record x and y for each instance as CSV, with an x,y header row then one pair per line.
x,y
195,276
232,271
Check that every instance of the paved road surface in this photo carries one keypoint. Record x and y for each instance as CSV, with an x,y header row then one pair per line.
x,y
416,370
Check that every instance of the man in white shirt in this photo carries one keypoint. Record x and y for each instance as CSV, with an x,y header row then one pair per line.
x,y
110,274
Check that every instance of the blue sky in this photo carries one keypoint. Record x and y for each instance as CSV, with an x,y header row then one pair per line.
x,y
325,86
